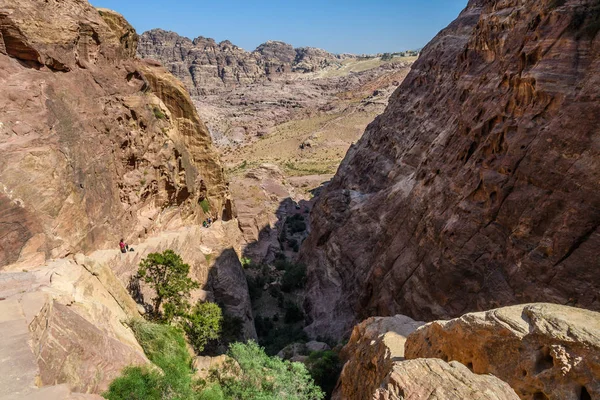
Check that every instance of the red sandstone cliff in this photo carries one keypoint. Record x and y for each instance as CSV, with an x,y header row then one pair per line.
x,y
95,144
478,186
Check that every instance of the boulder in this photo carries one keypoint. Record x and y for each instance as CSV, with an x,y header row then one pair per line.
x,y
436,379
543,351
375,346
313,345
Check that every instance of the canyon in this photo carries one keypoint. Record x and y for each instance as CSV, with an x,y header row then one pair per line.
x,y
452,254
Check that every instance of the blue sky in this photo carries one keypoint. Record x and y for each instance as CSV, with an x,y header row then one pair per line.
x,y
339,26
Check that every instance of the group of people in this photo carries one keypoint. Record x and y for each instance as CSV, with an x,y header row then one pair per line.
x,y
207,223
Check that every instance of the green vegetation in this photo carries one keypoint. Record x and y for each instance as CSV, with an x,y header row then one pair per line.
x,y
205,206
296,223
325,368
294,277
202,324
276,339
165,347
167,274
293,313
266,378
158,113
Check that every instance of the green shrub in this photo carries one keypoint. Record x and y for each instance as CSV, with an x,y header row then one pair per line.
x,y
165,346
213,392
158,113
255,286
296,224
325,368
277,339
267,378
167,274
293,278
135,383
202,324
293,313
205,205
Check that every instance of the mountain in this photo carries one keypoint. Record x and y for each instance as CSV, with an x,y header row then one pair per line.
x,y
478,185
206,66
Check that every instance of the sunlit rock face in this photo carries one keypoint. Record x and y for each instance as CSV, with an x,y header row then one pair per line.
x,y
96,145
478,186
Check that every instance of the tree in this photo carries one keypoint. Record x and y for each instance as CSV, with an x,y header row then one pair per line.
x,y
167,274
203,324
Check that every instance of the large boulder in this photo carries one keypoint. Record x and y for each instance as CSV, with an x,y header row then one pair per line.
x,y
436,379
544,351
478,186
375,346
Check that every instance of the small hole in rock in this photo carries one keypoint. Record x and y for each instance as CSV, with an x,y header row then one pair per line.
x,y
540,396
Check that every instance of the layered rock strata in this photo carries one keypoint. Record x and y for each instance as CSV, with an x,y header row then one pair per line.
x,y
477,187
543,351
205,65
96,145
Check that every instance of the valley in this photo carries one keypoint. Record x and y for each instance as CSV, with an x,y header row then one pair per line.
x,y
184,219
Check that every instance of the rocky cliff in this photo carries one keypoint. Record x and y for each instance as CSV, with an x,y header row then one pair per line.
x,y
206,66
96,145
477,187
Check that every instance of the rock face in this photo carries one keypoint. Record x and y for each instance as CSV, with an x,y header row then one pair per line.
x,y
375,368
375,346
543,351
96,145
436,379
477,187
62,324
213,258
206,66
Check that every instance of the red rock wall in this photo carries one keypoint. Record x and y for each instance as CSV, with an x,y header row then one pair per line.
x,y
478,186
95,145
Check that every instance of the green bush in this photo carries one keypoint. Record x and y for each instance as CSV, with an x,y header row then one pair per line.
x,y
165,346
135,383
293,313
213,392
293,278
277,339
205,205
167,274
325,368
255,286
202,324
296,225
158,113
267,378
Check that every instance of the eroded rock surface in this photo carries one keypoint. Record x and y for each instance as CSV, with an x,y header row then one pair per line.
x,y
544,351
375,346
96,145
427,378
63,324
477,187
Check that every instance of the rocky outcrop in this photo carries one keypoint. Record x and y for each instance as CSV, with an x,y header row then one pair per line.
x,y
437,379
544,351
375,368
213,256
477,187
376,345
96,145
63,324
206,66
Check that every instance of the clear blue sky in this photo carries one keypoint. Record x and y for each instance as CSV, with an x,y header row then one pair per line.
x,y
339,26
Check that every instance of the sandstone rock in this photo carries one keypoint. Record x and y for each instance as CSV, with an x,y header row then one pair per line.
x,y
376,345
436,379
62,325
543,351
477,187
110,146
203,365
313,345
213,258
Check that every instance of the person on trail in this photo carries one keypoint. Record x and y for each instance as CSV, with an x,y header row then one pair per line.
x,y
124,246
204,224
